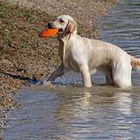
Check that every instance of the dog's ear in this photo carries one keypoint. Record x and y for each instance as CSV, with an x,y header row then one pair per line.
x,y
71,26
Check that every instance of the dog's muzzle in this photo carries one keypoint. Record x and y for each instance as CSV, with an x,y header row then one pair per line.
x,y
50,26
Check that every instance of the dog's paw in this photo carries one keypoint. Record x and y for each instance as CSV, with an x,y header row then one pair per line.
x,y
47,83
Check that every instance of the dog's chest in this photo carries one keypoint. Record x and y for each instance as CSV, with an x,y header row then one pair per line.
x,y
66,53
69,61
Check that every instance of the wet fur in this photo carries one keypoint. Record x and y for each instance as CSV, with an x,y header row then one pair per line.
x,y
87,55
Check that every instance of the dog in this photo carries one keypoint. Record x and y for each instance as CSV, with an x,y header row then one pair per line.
x,y
86,56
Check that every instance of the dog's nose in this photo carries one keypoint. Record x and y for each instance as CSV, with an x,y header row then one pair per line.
x,y
50,25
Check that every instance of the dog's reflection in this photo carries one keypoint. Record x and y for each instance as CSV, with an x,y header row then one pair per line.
x,y
82,102
123,102
95,113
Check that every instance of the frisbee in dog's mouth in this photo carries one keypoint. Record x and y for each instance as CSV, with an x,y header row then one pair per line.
x,y
48,33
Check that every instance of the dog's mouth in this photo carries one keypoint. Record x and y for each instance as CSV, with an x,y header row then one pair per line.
x,y
60,30
50,26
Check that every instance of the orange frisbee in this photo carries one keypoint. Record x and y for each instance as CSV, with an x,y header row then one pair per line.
x,y
48,33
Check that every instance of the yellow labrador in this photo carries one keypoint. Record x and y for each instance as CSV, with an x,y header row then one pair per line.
x,y
87,55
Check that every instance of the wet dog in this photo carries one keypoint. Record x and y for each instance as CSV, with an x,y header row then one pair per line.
x,y
87,55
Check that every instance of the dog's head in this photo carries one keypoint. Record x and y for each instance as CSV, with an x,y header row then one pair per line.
x,y
65,24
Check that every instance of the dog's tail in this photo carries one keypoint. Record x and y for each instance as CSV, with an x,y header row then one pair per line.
x,y
135,62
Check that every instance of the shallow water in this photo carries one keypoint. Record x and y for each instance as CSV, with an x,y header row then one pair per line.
x,y
76,113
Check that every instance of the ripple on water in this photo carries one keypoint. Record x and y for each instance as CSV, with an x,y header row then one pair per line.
x,y
122,26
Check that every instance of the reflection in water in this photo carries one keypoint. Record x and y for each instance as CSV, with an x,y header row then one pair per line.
x,y
93,116
124,102
75,113
77,106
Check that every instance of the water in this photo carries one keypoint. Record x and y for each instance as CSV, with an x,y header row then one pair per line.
x,y
122,26
76,113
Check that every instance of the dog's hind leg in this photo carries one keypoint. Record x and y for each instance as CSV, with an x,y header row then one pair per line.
x,y
122,74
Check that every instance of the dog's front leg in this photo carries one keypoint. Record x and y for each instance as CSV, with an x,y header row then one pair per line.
x,y
86,75
58,72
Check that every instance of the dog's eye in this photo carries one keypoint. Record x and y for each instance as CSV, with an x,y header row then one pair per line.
x,y
61,20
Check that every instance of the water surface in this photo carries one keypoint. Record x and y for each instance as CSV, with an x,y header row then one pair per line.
x,y
75,114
